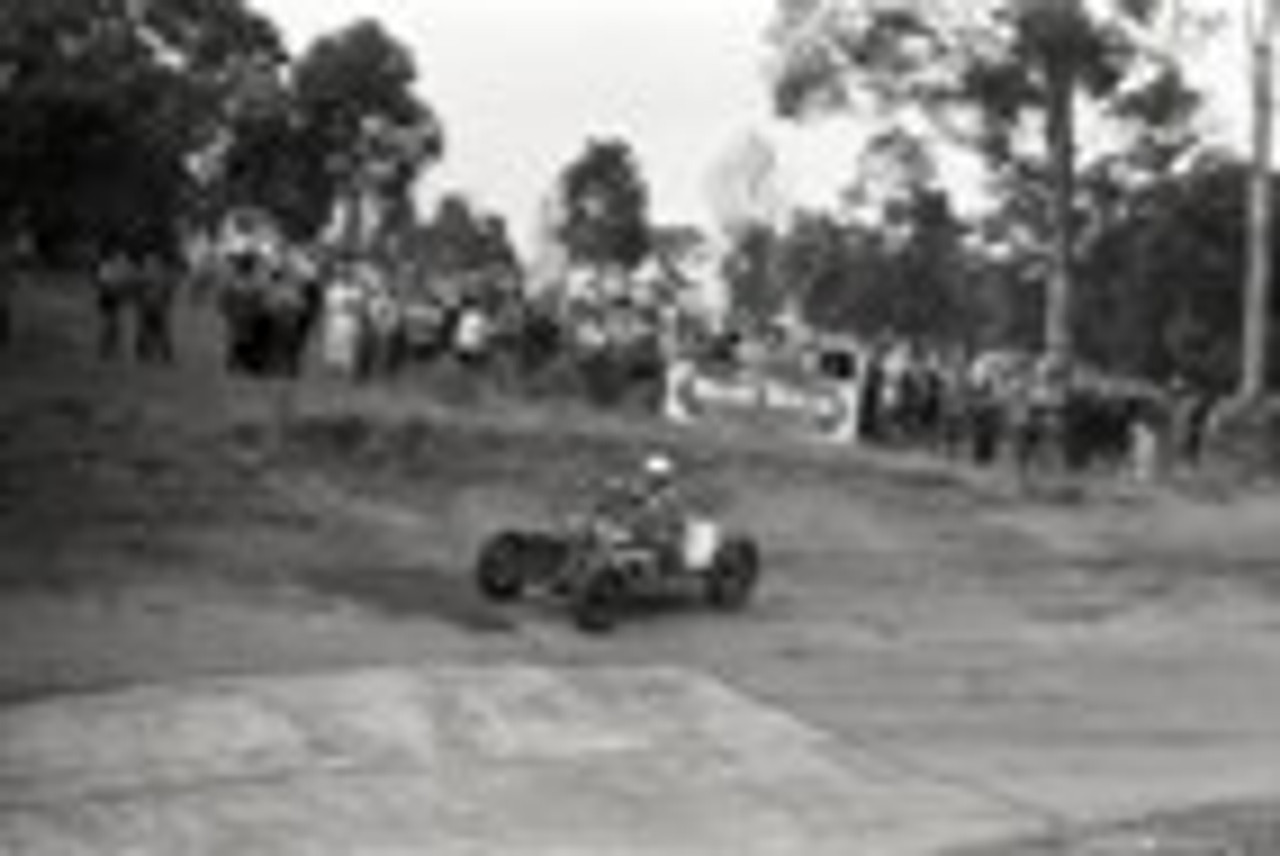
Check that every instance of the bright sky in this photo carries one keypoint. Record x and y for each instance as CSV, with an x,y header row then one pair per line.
x,y
521,85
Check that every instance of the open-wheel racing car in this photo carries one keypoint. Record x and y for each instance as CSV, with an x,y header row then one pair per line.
x,y
601,560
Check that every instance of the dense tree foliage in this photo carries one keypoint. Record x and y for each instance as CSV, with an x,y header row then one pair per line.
x,y
1162,283
1160,270
348,118
752,270
354,92
126,121
1012,79
606,207
460,238
105,103
908,279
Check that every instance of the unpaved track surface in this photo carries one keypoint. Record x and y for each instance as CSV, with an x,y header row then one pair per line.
x,y
1054,655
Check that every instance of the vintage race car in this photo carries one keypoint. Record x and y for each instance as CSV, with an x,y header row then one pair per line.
x,y
598,563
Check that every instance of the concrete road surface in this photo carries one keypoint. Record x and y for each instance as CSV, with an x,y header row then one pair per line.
x,y
492,761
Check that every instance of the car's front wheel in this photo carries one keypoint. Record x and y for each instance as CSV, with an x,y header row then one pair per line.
x,y
734,574
598,599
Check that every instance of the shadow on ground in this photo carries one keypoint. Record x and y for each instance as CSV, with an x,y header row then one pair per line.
x,y
404,593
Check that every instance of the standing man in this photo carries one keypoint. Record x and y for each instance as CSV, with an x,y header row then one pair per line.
x,y
343,320
154,304
382,328
113,282
239,303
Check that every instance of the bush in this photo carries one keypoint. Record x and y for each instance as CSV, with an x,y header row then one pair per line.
x,y
1244,440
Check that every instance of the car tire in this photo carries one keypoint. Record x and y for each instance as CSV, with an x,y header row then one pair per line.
x,y
499,575
597,601
733,576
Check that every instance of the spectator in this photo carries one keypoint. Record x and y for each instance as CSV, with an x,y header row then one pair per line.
x,y
113,282
383,327
1192,408
153,298
471,336
343,311
1144,449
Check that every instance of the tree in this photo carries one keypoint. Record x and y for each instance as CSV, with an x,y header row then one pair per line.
x,y
1253,375
605,219
268,161
908,275
987,73
750,268
359,117
462,239
931,269
1163,293
813,265
106,102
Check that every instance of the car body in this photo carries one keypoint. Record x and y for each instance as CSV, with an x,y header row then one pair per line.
x,y
597,563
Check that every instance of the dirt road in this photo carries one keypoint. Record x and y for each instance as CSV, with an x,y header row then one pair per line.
x,y
1066,654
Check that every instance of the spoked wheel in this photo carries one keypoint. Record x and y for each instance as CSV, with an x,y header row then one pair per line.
x,y
733,577
498,572
597,601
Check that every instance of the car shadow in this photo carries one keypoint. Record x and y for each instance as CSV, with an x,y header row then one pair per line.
x,y
406,593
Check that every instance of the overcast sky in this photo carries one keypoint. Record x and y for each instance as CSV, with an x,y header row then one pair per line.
x,y
521,84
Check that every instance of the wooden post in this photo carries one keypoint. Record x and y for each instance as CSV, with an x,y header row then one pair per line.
x,y
1257,303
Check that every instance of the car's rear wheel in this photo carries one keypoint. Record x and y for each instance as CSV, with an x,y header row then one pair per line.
x,y
733,576
498,570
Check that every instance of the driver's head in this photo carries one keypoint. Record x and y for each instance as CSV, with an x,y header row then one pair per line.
x,y
659,469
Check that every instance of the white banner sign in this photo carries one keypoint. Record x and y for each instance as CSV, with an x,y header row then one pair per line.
x,y
816,407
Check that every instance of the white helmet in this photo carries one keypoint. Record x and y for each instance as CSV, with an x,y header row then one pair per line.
x,y
659,466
